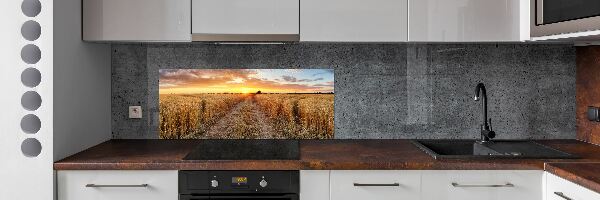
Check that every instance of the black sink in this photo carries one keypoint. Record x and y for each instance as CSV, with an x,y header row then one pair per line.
x,y
471,149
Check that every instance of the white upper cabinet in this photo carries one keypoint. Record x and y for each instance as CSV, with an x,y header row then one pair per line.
x,y
307,20
468,20
136,20
245,20
353,20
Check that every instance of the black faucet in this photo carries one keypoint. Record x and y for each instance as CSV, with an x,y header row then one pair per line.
x,y
486,129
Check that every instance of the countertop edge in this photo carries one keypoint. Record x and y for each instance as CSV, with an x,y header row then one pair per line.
x,y
357,154
269,165
573,177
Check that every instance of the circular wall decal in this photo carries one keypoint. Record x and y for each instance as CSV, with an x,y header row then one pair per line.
x,y
31,100
31,124
31,77
31,147
31,8
31,54
31,30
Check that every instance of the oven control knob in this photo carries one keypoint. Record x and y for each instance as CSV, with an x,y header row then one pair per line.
x,y
214,183
263,183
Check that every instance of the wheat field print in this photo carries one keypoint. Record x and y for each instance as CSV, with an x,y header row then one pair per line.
x,y
246,103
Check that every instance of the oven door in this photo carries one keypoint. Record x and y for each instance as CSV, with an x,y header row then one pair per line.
x,y
240,197
553,17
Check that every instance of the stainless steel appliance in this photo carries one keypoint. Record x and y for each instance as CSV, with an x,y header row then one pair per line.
x,y
235,185
553,17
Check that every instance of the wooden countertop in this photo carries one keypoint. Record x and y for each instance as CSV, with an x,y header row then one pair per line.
x,y
331,155
584,174
314,154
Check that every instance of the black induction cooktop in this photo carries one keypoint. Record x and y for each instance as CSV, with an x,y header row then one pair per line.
x,y
245,150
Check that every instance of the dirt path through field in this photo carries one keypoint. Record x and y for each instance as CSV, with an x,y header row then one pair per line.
x,y
245,120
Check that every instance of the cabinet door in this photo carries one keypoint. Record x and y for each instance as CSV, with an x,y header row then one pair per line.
x,y
117,185
482,185
231,17
468,20
314,185
353,20
561,189
136,20
375,185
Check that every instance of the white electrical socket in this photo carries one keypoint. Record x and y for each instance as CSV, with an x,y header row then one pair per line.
x,y
135,112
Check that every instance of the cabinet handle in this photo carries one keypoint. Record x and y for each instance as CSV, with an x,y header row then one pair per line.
x,y
560,194
376,184
114,186
499,185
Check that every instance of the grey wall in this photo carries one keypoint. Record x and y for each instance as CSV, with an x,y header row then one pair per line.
x,y
82,81
382,90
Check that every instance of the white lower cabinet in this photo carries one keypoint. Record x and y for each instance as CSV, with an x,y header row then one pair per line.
x,y
314,185
435,185
560,189
375,185
341,185
117,185
482,185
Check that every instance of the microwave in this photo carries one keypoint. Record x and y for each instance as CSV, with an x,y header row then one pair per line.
x,y
555,17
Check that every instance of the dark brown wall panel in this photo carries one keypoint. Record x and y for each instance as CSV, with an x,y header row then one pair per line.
x,y
588,92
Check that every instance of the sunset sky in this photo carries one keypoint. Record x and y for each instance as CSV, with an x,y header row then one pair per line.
x,y
194,81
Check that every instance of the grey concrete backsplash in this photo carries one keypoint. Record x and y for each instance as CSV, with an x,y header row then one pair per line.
x,y
382,90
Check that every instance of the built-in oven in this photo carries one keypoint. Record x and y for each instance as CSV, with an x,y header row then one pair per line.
x,y
237,185
553,17
237,197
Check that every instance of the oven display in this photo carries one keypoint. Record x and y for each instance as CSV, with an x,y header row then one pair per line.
x,y
239,181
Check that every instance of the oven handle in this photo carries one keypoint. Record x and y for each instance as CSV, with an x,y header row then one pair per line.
x,y
245,196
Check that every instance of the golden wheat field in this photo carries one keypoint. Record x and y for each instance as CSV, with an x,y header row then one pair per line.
x,y
246,116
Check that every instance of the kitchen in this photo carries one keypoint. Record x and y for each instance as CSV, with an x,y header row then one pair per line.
x,y
300,99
